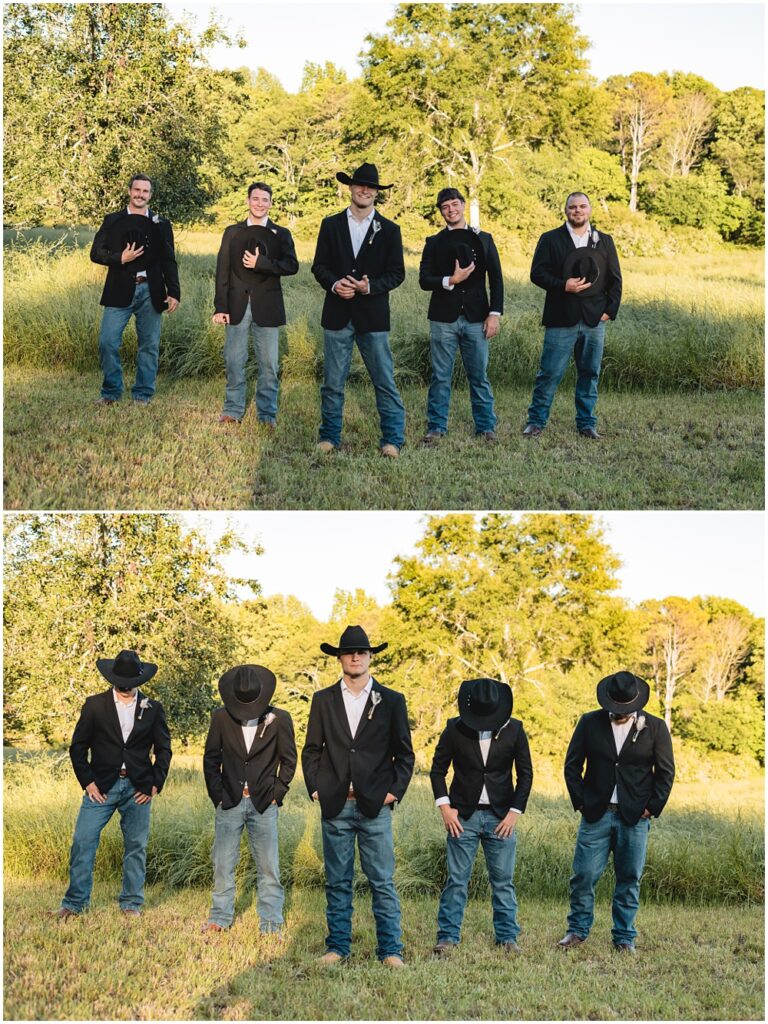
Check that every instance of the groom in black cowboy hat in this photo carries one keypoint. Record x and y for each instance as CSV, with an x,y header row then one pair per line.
x,y
482,806
119,728
249,761
629,773
359,261
357,762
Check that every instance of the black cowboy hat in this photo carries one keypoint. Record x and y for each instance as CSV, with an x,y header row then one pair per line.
x,y
622,693
484,704
464,245
354,638
247,690
251,238
126,671
366,174
587,262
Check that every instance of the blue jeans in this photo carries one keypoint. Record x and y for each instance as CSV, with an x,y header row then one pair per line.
x,y
377,356
91,819
594,843
377,859
265,345
586,345
113,322
262,839
444,341
500,859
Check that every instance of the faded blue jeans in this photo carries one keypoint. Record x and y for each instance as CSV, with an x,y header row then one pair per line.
x,y
594,843
377,356
586,345
262,839
91,819
265,345
445,340
500,860
114,320
377,859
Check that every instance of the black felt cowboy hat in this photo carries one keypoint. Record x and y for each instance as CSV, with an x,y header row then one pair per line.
x,y
366,174
247,690
464,245
126,671
484,704
587,262
622,693
354,638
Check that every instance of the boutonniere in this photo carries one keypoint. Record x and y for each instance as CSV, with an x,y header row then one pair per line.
x,y
156,219
639,726
267,721
375,700
375,228
143,705
273,230
502,728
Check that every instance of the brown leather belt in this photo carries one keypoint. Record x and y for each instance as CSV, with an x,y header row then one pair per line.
x,y
122,774
139,278
351,795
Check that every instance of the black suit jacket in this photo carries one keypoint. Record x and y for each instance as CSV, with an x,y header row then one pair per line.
x,y
378,760
98,731
380,257
460,746
644,770
236,285
267,767
469,298
561,308
159,262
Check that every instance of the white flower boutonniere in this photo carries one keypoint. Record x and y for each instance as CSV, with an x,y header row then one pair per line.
x,y
143,705
639,726
375,700
267,721
273,230
156,219
375,229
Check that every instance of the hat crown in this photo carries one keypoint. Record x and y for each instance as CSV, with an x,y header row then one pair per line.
x,y
127,665
623,688
247,685
483,696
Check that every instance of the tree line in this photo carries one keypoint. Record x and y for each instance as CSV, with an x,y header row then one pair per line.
x,y
496,99
526,600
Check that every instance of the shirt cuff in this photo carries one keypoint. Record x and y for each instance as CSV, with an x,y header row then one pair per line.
x,y
515,810
494,313
333,287
448,287
441,800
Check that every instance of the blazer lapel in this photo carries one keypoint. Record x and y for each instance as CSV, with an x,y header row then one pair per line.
x,y
362,257
366,716
236,732
111,714
340,712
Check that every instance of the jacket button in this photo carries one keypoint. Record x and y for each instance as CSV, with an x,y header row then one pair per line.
x,y
352,751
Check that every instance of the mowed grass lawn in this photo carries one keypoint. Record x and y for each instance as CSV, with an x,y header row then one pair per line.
x,y
681,403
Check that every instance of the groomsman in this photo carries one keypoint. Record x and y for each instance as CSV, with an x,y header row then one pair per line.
x,y
357,763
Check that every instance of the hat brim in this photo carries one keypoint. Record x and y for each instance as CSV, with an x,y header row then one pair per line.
x,y
336,651
485,723
614,707
346,180
254,708
573,266
105,666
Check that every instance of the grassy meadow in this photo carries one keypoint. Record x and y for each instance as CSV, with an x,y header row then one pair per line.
x,y
681,406
701,920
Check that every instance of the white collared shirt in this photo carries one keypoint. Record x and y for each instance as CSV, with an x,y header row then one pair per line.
x,y
358,229
484,738
249,731
620,733
257,223
582,241
126,714
355,704
145,214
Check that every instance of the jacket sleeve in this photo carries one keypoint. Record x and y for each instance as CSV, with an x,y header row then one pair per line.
x,y
663,769
313,747
80,745
170,270
403,758
221,294
495,277
613,291
393,274
543,272
429,278
441,762
523,772
322,271
161,742
286,264
212,760
575,757
100,252
287,757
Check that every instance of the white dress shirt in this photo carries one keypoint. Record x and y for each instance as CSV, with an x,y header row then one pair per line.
x,y
484,739
126,714
354,705
256,223
620,733
582,241
249,731
358,229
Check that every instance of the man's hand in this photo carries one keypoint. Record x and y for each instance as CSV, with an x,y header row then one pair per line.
x,y
250,258
94,794
362,286
173,304
142,798
131,253
605,317
220,318
315,795
577,284
506,826
491,326
451,820
460,273
646,813
343,290
389,799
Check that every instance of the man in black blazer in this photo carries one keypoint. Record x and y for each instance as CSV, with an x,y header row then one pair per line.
x,y
483,744
579,270
118,728
249,761
142,280
359,261
629,775
454,265
357,762
254,254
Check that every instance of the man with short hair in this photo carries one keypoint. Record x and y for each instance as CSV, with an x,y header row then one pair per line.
x,y
249,762
142,281
359,261
454,266
118,728
629,773
357,762
254,254
579,270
